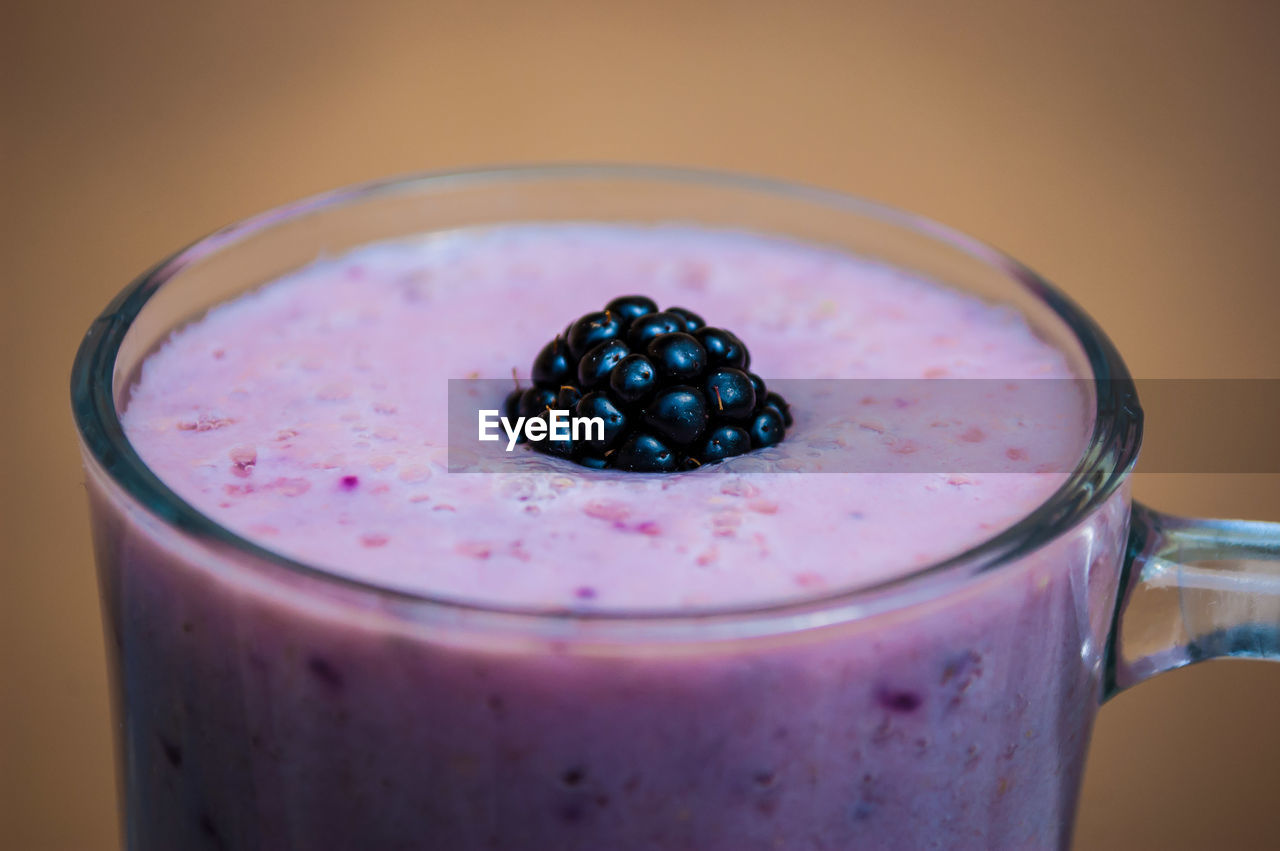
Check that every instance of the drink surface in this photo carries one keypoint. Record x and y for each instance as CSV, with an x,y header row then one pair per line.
x,y
311,417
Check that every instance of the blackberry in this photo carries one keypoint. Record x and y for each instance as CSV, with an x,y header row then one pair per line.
x,y
672,393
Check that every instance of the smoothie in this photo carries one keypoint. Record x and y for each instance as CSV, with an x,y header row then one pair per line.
x,y
311,417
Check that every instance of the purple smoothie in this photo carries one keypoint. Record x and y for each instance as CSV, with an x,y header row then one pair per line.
x,y
310,417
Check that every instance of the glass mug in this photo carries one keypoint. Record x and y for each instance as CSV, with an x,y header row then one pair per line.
x,y
263,703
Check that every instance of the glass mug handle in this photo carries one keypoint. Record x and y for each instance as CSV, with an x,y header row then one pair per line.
x,y
1193,590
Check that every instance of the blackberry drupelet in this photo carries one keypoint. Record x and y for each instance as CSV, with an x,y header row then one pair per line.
x,y
673,393
644,453
633,380
766,429
645,328
631,307
725,442
535,400
692,321
598,404
731,395
677,414
677,357
568,396
553,365
723,348
598,362
778,404
592,330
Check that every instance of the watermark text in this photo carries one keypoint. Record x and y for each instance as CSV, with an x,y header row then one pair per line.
x,y
556,424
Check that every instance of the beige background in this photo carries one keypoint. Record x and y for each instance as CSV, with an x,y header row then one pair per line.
x,y
1126,150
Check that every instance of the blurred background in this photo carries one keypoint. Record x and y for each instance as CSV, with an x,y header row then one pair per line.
x,y
1126,150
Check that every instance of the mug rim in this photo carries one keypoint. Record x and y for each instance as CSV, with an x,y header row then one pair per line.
x,y
1103,466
